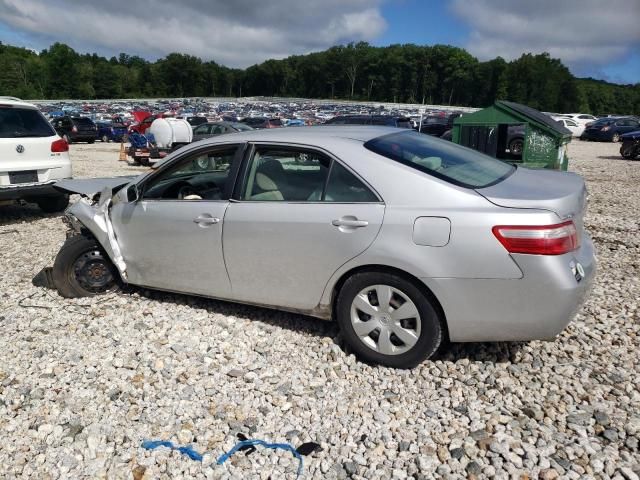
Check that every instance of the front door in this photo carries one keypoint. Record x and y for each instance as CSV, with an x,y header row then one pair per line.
x,y
299,216
171,238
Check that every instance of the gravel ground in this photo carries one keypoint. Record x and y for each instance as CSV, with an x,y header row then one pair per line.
x,y
83,382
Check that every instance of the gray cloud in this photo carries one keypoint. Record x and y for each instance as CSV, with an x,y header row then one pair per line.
x,y
585,34
235,33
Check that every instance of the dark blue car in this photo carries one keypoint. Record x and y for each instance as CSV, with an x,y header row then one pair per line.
x,y
110,132
610,129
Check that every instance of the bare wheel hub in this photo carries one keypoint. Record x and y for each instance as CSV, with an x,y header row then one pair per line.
x,y
92,271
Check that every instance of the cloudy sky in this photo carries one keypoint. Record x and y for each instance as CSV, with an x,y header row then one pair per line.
x,y
599,38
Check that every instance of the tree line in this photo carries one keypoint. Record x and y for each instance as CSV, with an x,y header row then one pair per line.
x,y
438,74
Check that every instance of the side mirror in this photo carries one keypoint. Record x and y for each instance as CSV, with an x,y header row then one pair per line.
x,y
132,193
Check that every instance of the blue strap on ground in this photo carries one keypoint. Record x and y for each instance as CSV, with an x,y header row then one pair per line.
x,y
188,451
193,455
274,446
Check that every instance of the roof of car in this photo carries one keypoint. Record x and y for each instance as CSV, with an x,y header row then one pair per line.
x,y
15,102
314,135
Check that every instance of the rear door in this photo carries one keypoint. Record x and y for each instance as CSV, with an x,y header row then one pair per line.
x,y
298,214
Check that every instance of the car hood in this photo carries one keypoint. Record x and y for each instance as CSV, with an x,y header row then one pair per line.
x,y
140,115
91,186
631,135
561,192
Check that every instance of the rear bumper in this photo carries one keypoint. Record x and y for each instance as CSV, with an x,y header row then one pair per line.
x,y
536,307
29,190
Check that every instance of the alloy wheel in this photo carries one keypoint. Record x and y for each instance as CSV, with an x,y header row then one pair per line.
x,y
385,319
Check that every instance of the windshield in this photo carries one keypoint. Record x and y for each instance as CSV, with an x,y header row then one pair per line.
x,y
23,122
442,159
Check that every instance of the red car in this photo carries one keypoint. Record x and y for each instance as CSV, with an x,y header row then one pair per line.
x,y
142,121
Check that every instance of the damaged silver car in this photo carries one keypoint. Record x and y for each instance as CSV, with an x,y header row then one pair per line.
x,y
405,240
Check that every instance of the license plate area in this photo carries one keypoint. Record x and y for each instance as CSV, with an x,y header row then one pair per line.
x,y
24,176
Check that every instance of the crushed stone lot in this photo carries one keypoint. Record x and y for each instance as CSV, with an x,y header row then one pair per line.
x,y
83,382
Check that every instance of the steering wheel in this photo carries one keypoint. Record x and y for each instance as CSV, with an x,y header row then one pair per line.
x,y
186,190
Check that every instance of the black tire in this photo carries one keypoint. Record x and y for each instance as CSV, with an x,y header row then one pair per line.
x,y
83,269
615,137
105,139
628,150
516,146
431,329
53,204
91,141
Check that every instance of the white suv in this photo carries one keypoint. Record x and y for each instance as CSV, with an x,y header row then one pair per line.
x,y
32,157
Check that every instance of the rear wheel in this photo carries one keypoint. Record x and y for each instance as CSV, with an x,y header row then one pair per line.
x,y
53,204
83,269
615,137
515,147
388,320
91,141
105,139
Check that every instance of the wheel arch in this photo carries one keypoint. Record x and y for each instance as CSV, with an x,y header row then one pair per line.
x,y
335,291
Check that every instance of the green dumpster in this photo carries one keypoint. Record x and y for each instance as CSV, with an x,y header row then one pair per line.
x,y
515,133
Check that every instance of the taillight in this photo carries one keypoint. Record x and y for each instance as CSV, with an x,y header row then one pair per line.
x,y
60,145
555,239
74,129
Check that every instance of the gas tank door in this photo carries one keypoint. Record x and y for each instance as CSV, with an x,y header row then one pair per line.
x,y
431,231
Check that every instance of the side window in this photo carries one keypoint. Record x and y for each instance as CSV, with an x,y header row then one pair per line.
x,y
344,186
290,175
202,130
201,176
569,123
217,129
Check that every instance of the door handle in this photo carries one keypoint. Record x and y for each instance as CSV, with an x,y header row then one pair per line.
x,y
349,222
206,220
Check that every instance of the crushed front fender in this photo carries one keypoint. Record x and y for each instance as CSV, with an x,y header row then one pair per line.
x,y
95,217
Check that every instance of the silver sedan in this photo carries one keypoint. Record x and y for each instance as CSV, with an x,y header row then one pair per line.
x,y
404,239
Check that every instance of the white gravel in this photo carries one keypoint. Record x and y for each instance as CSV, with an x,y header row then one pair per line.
x,y
83,382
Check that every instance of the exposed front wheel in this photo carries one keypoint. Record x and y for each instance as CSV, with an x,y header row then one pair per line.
x,y
615,138
105,139
83,269
53,204
388,320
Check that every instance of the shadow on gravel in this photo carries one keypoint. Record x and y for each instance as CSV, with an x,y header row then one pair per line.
x,y
613,157
19,213
276,318
500,352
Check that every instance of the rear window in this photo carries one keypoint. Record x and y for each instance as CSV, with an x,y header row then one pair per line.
x,y
23,122
434,120
442,159
83,121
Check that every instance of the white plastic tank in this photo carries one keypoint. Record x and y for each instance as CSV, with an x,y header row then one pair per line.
x,y
169,131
